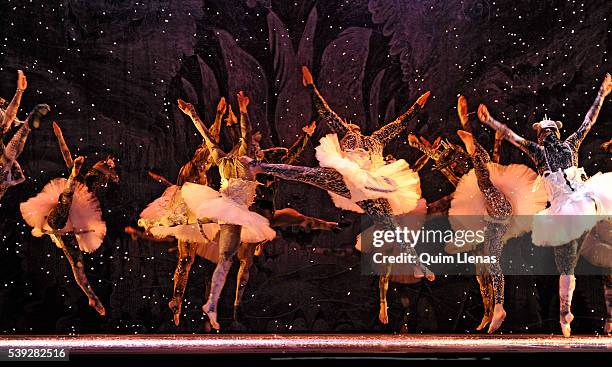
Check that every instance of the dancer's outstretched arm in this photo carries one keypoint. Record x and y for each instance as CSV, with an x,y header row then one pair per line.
x,y
245,125
393,129
215,129
11,111
300,144
215,151
336,123
63,146
527,146
576,138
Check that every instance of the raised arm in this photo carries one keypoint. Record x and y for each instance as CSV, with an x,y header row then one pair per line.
x,y
63,146
393,129
245,125
216,153
300,144
576,138
215,129
335,122
11,111
528,147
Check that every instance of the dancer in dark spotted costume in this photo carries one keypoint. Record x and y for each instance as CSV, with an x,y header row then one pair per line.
x,y
11,173
577,202
354,173
69,212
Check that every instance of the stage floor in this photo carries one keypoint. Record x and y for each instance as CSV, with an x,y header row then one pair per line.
x,y
324,343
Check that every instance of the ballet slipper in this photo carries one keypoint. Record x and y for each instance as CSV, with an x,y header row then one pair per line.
x,y
97,305
468,141
175,307
486,319
243,101
423,99
567,285
499,314
483,113
212,315
462,111
383,316
251,164
222,106
306,76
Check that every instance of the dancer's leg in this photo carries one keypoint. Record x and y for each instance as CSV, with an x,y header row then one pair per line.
x,y
229,242
245,255
566,258
58,217
186,256
500,210
70,247
383,287
486,291
287,217
15,146
327,179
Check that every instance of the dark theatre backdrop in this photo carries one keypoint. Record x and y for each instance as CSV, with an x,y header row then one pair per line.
x,y
112,71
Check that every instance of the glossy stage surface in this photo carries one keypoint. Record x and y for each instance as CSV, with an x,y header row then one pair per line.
x,y
324,343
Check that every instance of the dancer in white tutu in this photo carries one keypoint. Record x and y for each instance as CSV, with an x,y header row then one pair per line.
x,y
69,212
576,202
11,173
354,172
229,207
169,217
503,199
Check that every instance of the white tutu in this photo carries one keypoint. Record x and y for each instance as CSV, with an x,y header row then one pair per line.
x,y
597,245
84,218
395,182
519,184
573,211
230,206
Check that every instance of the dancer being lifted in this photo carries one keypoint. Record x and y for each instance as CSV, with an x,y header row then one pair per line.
x,y
11,173
502,197
229,206
69,212
354,172
576,203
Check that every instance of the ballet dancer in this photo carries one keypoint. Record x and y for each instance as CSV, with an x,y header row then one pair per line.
x,y
354,172
501,196
229,206
576,202
69,212
11,173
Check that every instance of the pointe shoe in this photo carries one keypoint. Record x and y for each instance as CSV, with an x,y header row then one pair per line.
x,y
468,141
251,164
97,305
567,285
212,316
565,322
383,316
484,322
175,307
499,314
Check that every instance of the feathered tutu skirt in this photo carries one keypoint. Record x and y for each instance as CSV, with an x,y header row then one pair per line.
x,y
597,245
84,218
519,184
169,216
395,182
230,205
575,206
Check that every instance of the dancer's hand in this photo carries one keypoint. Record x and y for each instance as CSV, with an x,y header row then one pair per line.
x,y
306,76
231,117
483,113
222,105
186,107
243,101
606,86
423,99
22,81
310,128
462,110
